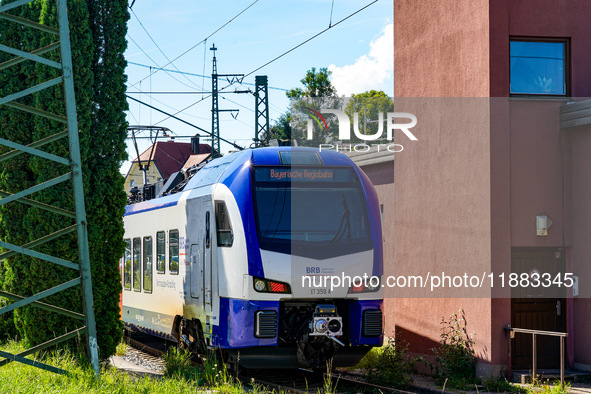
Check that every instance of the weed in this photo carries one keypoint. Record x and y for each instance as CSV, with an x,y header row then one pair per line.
x,y
329,387
177,361
556,388
456,361
389,365
121,349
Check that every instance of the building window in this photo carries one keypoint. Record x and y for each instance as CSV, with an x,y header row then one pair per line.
x,y
539,67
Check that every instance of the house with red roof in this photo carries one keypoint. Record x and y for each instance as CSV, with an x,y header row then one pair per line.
x,y
163,159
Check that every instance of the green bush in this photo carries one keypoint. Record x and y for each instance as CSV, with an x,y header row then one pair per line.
x,y
389,365
177,361
455,357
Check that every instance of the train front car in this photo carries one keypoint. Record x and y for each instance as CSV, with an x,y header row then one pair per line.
x,y
299,261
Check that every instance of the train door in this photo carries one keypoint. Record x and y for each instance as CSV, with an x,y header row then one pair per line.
x,y
208,255
196,260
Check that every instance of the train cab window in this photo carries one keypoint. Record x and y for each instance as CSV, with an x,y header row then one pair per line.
x,y
173,251
137,268
160,252
147,263
127,265
223,226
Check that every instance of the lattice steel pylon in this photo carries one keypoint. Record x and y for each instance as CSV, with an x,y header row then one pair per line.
x,y
261,122
74,174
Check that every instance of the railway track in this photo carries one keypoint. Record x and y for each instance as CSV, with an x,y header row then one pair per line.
x,y
150,350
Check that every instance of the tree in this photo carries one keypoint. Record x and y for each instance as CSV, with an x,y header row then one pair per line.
x,y
282,129
318,93
97,30
317,84
368,106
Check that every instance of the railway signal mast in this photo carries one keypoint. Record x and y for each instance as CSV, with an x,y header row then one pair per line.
x,y
215,111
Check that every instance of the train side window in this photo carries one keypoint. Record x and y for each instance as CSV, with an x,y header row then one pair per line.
x,y
173,251
127,265
160,252
137,268
224,234
147,264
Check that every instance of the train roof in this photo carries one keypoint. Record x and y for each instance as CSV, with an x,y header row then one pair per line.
x,y
268,156
214,171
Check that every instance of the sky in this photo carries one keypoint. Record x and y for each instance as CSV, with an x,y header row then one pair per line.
x,y
170,61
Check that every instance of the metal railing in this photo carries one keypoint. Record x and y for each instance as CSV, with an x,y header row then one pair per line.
x,y
534,334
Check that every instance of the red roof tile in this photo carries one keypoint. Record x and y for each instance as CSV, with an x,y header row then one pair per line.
x,y
169,156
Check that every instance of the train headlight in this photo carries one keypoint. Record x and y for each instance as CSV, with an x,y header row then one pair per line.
x,y
321,326
334,326
259,285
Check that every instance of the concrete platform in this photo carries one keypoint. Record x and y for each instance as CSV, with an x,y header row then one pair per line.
x,y
124,365
524,377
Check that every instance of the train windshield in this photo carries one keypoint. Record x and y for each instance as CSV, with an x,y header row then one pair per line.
x,y
310,211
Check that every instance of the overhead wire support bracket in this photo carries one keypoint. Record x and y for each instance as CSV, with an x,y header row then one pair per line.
x,y
215,110
72,164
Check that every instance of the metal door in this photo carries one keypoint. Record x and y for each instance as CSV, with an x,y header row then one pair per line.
x,y
207,255
196,272
537,308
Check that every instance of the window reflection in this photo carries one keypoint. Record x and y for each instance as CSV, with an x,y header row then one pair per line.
x,y
538,68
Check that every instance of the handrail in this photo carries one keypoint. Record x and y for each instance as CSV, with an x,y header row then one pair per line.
x,y
533,333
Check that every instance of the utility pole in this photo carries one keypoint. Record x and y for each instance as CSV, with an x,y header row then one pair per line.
x,y
215,111
261,97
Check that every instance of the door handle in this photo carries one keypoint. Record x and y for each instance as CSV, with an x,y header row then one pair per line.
x,y
558,308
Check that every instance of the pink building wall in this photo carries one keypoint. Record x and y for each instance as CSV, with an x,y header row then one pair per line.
x,y
492,182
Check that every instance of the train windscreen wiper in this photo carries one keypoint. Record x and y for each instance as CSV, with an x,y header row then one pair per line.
x,y
345,225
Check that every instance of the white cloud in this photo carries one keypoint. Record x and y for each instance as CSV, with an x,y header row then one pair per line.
x,y
374,70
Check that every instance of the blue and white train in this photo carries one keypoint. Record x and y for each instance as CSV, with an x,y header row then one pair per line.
x,y
236,260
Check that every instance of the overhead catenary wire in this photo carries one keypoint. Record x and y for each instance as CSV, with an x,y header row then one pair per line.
x,y
160,49
184,121
195,75
310,39
202,41
262,66
168,72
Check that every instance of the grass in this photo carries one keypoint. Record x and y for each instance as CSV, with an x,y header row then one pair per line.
x,y
501,386
17,378
121,349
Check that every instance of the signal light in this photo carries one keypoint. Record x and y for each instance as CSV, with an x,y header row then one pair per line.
x,y
278,287
365,287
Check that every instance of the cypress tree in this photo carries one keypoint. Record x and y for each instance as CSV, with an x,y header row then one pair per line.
x,y
106,197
